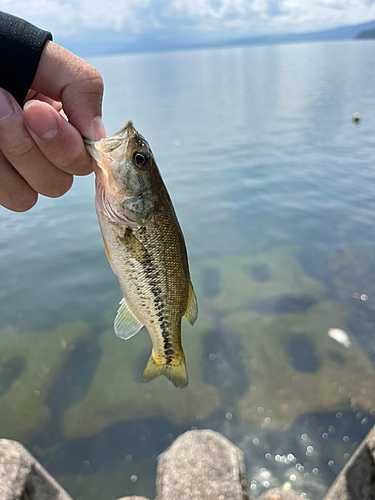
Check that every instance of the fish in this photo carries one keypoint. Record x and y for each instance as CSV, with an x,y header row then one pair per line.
x,y
146,249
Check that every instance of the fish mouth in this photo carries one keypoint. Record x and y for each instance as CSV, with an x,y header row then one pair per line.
x,y
111,143
109,148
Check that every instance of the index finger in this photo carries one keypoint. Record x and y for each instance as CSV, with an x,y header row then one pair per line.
x,y
65,77
57,139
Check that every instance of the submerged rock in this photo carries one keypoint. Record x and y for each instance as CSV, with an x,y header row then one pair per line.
x,y
37,360
280,494
324,375
353,276
116,393
129,477
234,282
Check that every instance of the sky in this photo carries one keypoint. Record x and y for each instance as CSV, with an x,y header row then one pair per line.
x,y
188,20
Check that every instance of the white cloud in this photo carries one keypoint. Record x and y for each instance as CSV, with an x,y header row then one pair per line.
x,y
67,16
173,18
267,16
328,13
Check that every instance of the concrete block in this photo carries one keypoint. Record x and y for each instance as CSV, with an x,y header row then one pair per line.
x,y
357,479
23,477
201,465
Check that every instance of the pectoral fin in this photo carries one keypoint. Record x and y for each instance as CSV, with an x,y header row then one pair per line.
x,y
135,247
191,312
126,324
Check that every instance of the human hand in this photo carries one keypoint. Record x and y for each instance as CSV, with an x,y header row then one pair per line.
x,y
40,150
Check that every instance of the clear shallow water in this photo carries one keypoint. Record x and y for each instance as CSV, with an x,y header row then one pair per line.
x,y
274,189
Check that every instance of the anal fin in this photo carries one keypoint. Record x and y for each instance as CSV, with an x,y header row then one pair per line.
x,y
126,324
191,312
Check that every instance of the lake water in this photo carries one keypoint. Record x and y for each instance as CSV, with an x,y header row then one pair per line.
x,y
274,187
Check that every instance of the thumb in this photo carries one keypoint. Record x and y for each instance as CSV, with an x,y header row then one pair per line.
x,y
69,79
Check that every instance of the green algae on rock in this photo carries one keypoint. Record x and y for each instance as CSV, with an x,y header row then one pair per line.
x,y
117,395
234,282
23,412
320,375
353,269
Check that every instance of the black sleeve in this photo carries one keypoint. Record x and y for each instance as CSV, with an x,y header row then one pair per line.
x,y
21,46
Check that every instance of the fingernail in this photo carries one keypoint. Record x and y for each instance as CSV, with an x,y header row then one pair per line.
x,y
99,130
6,105
40,119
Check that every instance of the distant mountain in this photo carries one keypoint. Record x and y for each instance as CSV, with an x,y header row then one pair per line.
x,y
98,43
366,34
342,33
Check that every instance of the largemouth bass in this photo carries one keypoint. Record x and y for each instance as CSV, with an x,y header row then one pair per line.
x,y
145,248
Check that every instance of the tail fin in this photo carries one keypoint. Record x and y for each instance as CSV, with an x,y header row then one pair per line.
x,y
175,371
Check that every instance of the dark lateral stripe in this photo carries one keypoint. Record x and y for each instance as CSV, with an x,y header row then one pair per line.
x,y
152,277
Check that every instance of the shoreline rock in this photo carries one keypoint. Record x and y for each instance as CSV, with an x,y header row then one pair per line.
x,y
357,478
23,477
209,466
199,465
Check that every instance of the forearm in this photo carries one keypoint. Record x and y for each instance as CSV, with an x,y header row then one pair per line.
x,y
21,46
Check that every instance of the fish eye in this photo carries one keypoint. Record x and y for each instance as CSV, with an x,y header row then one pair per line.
x,y
140,159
